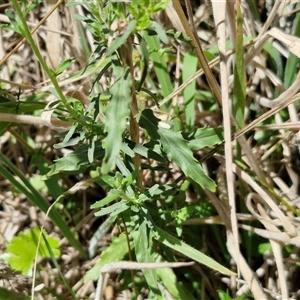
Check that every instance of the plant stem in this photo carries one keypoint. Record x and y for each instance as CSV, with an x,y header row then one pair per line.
x,y
126,56
190,32
27,34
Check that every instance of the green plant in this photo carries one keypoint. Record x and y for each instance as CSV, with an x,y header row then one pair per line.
x,y
110,149
113,152
135,123
21,250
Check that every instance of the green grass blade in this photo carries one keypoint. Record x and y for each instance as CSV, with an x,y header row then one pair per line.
x,y
291,68
239,86
35,197
160,65
190,63
54,260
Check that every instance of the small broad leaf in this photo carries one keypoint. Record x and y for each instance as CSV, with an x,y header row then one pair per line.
x,y
159,5
22,249
116,116
224,295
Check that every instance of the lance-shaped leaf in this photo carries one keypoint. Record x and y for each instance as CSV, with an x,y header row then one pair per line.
x,y
176,148
116,116
189,251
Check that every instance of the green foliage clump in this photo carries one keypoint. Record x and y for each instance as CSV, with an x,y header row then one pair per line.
x,y
22,249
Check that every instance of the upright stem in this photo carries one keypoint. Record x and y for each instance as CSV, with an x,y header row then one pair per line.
x,y
191,33
27,35
126,56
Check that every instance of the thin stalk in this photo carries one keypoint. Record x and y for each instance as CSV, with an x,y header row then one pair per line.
x,y
129,254
190,32
126,56
27,34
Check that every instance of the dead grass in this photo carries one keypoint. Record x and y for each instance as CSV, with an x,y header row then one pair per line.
x,y
272,183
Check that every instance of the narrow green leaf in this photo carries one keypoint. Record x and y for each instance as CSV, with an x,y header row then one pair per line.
x,y
31,6
239,85
170,281
111,196
188,251
114,209
116,116
13,20
276,59
7,106
176,147
91,151
115,252
64,65
190,64
127,150
34,196
75,160
160,65
100,232
291,68
67,141
204,137
160,32
101,73
156,190
52,255
119,41
145,152
145,59
143,250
